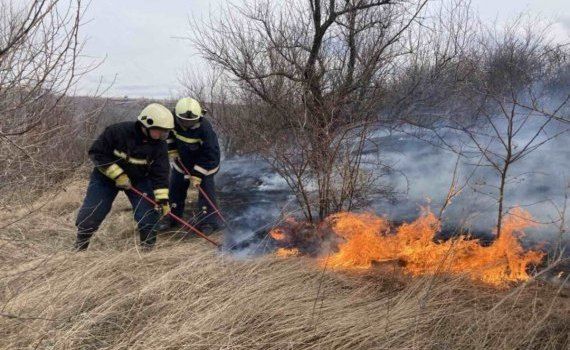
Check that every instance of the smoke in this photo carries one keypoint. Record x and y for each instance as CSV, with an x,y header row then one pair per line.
x,y
256,199
536,182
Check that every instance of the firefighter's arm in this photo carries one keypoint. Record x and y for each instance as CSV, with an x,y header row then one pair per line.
x,y
209,160
101,154
159,173
173,155
171,144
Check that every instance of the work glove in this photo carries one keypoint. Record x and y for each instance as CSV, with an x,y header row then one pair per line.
x,y
174,158
173,154
163,208
195,181
123,182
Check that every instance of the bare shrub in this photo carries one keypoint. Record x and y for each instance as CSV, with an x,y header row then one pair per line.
x,y
39,68
508,106
314,77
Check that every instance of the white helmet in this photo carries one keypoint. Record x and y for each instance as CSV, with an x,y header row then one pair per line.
x,y
188,109
156,115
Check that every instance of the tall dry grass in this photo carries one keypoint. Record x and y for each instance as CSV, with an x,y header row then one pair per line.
x,y
185,295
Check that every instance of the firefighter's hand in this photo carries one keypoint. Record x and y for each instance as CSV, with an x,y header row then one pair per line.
x,y
163,208
195,180
123,182
173,155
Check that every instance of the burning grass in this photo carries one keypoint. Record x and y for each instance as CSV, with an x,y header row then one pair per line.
x,y
184,295
365,238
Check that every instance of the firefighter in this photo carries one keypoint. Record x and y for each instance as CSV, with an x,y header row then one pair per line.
x,y
132,153
194,155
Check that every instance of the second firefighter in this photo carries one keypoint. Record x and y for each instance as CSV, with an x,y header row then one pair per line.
x,y
194,154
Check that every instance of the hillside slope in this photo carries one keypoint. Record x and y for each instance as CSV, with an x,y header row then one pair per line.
x,y
186,295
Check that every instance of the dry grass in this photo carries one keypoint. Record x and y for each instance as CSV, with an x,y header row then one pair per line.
x,y
184,295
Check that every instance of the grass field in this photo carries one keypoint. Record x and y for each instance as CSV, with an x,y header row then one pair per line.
x,y
186,295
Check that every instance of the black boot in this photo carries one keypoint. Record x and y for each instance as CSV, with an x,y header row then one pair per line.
x,y
81,242
148,239
166,224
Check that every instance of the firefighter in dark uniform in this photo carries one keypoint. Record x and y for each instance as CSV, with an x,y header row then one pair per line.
x,y
195,158
129,154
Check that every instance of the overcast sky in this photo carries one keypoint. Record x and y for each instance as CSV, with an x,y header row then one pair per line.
x,y
144,56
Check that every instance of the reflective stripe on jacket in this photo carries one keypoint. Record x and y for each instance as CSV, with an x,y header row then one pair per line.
x,y
123,147
197,147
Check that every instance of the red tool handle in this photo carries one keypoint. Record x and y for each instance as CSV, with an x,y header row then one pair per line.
x,y
175,217
204,193
211,203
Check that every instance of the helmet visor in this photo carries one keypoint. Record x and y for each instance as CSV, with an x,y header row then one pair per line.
x,y
188,116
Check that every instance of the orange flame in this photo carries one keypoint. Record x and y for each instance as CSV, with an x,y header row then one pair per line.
x,y
277,234
286,253
366,239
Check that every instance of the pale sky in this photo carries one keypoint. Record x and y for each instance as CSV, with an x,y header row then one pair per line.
x,y
143,55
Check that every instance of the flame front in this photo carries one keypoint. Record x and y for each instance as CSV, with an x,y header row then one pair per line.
x,y
367,238
286,253
277,234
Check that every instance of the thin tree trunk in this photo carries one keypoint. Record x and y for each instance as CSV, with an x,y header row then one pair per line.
x,y
501,198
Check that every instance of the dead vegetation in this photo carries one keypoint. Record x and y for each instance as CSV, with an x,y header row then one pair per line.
x,y
184,295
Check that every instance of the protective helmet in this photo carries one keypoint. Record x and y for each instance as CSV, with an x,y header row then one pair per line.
x,y
156,115
188,109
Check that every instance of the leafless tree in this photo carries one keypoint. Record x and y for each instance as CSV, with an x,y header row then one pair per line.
x,y
39,67
313,77
507,110
519,114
